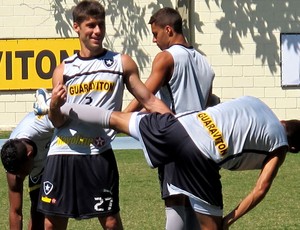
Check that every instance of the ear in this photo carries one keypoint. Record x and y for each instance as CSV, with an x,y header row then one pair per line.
x,y
30,151
76,27
285,126
283,123
169,30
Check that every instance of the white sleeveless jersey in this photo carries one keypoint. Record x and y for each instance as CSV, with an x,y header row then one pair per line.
x,y
189,87
97,82
38,129
237,134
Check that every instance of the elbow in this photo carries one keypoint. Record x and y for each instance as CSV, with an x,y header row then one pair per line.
x,y
263,190
57,121
16,214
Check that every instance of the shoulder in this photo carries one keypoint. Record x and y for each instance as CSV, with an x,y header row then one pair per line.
x,y
59,69
126,57
164,57
178,48
127,62
71,58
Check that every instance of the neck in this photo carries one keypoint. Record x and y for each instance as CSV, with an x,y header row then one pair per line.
x,y
180,40
87,53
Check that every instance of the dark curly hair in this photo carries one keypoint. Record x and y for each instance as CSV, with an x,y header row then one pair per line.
x,y
13,155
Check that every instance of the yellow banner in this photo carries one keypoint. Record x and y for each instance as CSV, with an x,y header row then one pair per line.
x,y
29,63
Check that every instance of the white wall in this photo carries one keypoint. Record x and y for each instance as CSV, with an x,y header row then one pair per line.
x,y
242,42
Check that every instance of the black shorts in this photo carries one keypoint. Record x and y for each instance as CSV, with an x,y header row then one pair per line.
x,y
80,186
165,140
165,174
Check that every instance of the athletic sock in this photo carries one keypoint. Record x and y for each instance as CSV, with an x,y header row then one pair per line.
x,y
89,114
175,218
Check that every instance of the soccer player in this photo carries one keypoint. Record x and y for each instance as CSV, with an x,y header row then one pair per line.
x,y
241,134
24,154
81,178
183,79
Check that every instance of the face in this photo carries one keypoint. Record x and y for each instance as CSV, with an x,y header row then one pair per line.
x,y
91,33
160,36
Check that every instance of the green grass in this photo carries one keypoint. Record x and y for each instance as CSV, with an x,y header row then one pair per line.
x,y
142,208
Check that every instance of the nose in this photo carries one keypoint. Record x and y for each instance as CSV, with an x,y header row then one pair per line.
x,y
97,30
154,40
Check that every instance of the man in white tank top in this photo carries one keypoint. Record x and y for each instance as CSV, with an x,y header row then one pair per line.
x,y
182,78
95,76
24,154
240,134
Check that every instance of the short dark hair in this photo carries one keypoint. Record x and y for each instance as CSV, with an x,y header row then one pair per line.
x,y
13,155
167,16
86,9
292,128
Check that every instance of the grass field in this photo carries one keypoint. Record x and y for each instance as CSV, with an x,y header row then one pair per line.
x,y
142,208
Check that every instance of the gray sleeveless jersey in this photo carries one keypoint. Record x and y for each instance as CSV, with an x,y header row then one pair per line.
x,y
97,82
39,130
237,134
189,86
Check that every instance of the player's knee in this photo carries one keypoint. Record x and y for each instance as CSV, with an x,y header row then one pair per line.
x,y
112,222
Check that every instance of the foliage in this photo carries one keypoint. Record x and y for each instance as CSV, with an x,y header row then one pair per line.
x,y
259,20
129,23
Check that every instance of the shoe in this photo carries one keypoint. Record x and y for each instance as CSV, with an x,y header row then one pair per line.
x,y
42,101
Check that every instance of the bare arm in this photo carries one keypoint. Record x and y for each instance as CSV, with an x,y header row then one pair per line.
x,y
139,90
56,117
263,184
15,194
119,121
